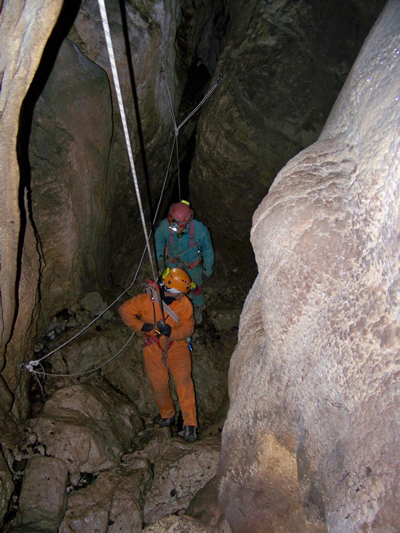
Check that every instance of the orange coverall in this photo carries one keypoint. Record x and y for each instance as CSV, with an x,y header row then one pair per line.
x,y
140,310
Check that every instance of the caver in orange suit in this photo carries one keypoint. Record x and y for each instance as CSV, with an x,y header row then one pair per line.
x,y
161,354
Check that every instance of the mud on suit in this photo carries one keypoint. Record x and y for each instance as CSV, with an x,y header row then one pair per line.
x,y
175,349
193,252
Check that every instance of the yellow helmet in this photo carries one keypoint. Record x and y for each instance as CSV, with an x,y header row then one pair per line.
x,y
178,280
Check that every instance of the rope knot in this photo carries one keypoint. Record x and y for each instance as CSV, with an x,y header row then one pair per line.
x,y
30,366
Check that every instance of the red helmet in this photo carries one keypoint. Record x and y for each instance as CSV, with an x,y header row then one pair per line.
x,y
179,216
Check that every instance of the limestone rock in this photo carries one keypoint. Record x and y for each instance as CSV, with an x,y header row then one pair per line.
x,y
6,487
311,441
22,48
69,145
206,508
87,427
225,319
178,524
280,80
181,471
111,503
43,496
93,302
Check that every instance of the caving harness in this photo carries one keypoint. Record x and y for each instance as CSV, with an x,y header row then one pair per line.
x,y
154,339
177,259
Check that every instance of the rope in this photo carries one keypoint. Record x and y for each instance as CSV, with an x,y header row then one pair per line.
x,y
207,96
178,166
176,127
97,367
110,49
176,131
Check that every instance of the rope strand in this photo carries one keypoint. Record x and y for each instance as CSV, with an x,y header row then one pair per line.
x,y
97,367
110,49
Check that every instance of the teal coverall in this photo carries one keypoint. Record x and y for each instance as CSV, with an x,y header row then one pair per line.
x,y
192,251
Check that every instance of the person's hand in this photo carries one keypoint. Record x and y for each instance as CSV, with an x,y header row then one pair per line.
x,y
147,327
207,275
164,328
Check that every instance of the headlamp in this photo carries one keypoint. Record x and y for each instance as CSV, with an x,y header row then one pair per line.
x,y
174,225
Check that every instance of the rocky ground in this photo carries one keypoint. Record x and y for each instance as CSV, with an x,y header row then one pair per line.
x,y
92,457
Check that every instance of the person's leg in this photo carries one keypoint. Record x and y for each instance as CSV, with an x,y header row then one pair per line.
x,y
159,379
180,364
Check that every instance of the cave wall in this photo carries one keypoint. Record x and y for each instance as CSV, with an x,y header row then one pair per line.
x,y
21,52
283,65
312,434
68,152
53,248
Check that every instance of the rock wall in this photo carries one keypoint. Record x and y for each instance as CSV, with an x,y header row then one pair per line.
x,y
21,53
282,68
69,151
312,435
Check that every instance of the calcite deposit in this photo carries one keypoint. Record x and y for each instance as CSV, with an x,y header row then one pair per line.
x,y
312,435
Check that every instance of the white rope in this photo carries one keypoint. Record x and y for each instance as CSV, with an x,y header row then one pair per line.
x,y
110,49
207,96
176,127
176,132
170,104
97,367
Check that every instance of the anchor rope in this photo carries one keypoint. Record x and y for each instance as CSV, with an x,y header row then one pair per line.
x,y
176,127
176,132
114,71
96,367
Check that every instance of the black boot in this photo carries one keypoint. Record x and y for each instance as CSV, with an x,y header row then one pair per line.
x,y
190,433
165,422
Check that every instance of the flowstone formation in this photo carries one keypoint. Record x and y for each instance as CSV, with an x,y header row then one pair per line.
x,y
311,442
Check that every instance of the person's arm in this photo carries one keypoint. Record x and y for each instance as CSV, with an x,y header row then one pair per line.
x,y
208,251
185,328
131,312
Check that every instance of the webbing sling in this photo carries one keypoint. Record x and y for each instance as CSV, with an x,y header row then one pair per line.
x,y
166,307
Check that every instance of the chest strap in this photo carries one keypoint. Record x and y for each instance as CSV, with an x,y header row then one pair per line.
x,y
185,265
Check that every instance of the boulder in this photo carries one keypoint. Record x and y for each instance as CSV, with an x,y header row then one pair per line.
x,y
43,496
206,507
111,503
179,473
85,426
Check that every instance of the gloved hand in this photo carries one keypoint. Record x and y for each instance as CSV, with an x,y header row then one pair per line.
x,y
164,328
161,264
206,275
146,328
